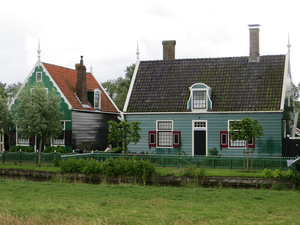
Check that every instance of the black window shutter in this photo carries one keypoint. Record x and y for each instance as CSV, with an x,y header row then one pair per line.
x,y
68,137
12,139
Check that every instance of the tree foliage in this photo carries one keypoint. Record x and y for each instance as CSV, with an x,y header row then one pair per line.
x,y
9,91
5,116
38,113
246,130
125,132
117,88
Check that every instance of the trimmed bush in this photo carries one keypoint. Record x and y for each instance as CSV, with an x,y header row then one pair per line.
x,y
110,167
60,149
267,173
27,149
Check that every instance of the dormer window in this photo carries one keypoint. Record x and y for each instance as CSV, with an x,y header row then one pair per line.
x,y
97,99
199,98
39,77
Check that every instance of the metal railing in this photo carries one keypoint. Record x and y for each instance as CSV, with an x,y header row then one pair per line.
x,y
223,162
23,157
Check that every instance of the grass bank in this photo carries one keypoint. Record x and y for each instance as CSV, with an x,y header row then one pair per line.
x,y
64,203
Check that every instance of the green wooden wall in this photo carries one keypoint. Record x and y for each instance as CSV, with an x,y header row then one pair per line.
x,y
48,84
270,144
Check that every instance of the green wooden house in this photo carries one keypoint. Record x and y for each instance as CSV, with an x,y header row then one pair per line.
x,y
186,106
85,104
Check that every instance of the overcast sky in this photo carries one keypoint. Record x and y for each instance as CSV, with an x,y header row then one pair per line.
x,y
106,32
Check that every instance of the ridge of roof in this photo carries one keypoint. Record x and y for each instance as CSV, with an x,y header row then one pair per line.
x,y
209,58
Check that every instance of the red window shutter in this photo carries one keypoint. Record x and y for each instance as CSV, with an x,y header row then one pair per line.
x,y
176,139
224,139
252,145
152,139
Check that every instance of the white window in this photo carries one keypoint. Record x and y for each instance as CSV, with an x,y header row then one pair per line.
x,y
199,99
60,139
97,99
164,133
237,143
21,140
39,77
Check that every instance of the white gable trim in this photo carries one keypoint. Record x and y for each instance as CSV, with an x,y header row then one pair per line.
x,y
131,85
39,63
57,88
107,96
23,85
285,79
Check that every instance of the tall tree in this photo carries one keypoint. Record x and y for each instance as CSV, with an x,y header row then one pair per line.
x,y
117,88
246,130
9,91
5,116
38,113
125,132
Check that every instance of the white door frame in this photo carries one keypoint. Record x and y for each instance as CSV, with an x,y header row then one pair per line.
x,y
199,125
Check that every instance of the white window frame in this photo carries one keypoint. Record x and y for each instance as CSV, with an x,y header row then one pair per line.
x,y
232,142
200,103
36,75
24,141
159,131
59,142
194,89
97,91
32,89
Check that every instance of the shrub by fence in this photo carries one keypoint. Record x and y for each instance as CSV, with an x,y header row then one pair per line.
x,y
110,166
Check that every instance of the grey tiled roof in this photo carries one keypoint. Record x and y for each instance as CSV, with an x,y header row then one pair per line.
x,y
237,84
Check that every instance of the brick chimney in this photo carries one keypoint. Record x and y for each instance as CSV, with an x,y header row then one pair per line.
x,y
169,50
254,41
81,89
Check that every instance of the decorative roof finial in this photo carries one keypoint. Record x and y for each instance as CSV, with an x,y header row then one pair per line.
x,y
137,51
39,51
289,45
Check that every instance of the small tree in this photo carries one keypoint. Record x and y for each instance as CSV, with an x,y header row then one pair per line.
x,y
38,113
125,132
246,130
5,116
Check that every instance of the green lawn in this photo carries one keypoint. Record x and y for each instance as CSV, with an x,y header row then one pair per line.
x,y
64,203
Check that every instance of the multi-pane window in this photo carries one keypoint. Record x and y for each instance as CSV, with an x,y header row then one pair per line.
x,y
97,100
60,139
237,143
199,99
38,77
164,133
21,140
200,124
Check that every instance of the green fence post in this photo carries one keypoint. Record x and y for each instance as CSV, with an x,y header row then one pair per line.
x,y
163,162
264,164
230,164
3,155
178,161
213,163
37,158
20,157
